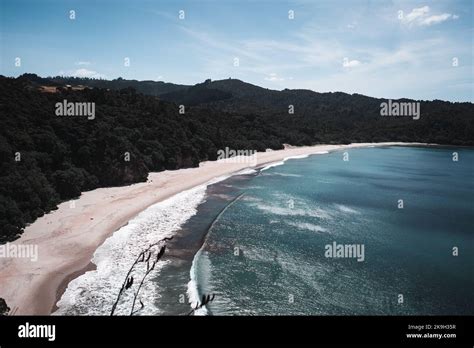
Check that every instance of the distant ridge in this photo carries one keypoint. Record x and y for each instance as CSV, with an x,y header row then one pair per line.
x,y
148,87
176,92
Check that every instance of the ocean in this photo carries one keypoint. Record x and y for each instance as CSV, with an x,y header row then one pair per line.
x,y
368,231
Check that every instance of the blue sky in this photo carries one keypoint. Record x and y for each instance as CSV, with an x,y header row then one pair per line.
x,y
366,47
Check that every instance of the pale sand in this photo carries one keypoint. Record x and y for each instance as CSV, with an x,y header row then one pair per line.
x,y
68,237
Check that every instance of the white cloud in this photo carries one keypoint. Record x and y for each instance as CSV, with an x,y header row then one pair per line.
x,y
87,73
82,73
421,17
436,19
83,63
274,77
352,25
346,63
416,14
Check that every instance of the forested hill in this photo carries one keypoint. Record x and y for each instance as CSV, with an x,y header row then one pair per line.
x,y
146,87
46,159
322,117
339,117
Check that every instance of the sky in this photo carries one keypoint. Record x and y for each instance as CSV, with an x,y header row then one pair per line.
x,y
387,49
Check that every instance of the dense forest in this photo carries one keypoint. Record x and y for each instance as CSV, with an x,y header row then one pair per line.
x,y
46,159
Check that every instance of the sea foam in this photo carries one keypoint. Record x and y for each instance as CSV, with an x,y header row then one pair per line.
x,y
200,261
307,226
275,164
279,163
94,292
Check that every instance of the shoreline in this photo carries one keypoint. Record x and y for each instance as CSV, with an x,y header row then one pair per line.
x,y
68,237
64,284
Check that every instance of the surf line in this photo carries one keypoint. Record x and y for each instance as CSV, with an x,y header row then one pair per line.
x,y
193,278
211,225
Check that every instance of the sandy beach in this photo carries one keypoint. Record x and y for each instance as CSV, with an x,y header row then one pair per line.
x,y
68,237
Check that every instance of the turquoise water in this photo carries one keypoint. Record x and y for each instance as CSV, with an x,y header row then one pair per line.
x,y
265,254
